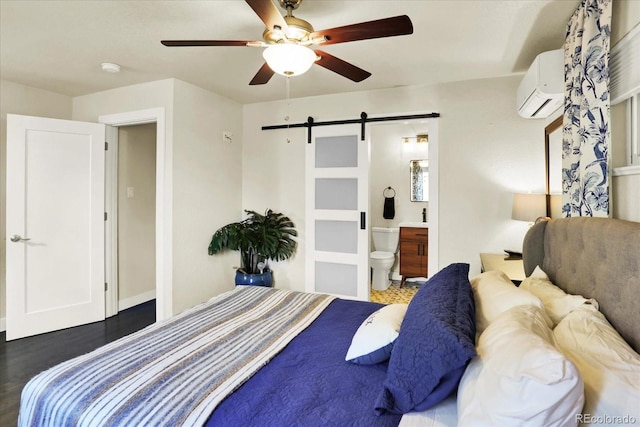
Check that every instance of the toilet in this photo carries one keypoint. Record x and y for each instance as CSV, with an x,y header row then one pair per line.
x,y
385,245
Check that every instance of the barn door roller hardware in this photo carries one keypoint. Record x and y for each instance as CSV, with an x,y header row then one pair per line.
x,y
364,119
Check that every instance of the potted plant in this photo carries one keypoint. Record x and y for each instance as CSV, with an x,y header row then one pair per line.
x,y
259,238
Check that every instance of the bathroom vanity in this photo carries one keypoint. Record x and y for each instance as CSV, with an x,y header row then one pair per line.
x,y
414,250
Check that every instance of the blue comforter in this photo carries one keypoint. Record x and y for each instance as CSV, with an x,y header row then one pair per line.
x,y
309,383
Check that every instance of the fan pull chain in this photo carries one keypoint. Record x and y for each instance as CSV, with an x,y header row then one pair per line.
x,y
286,118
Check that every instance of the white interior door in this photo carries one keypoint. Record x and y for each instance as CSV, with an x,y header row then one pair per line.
x,y
55,224
337,223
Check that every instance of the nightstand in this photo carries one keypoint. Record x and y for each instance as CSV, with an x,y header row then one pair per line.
x,y
512,267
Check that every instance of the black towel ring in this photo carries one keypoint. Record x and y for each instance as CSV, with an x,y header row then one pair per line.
x,y
384,192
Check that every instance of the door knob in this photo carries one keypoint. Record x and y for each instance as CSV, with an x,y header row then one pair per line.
x,y
18,238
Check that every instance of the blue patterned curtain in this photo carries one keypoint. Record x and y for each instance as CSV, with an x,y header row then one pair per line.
x,y
586,135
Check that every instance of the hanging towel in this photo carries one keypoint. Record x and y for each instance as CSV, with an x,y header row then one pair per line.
x,y
389,210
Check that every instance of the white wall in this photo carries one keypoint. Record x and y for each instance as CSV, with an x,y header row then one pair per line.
x,y
19,99
154,95
207,192
202,177
487,152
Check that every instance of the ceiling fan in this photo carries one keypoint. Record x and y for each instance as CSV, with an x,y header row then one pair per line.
x,y
288,38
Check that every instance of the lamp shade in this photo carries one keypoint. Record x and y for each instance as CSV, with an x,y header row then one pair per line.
x,y
556,205
528,207
289,59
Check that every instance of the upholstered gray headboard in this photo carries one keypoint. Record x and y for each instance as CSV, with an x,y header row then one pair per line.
x,y
594,257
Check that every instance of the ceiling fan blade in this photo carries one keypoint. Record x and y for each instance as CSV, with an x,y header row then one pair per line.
x,y
268,12
263,75
388,27
187,43
341,67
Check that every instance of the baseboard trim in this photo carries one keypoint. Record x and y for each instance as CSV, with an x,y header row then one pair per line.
x,y
123,304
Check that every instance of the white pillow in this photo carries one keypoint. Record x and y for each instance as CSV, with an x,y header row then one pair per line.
x,y
494,294
557,303
609,367
519,378
539,273
373,341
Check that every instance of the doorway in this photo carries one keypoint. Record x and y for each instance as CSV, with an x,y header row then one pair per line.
x,y
394,145
135,282
163,226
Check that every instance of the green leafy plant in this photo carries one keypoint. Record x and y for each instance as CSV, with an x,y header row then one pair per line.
x,y
259,238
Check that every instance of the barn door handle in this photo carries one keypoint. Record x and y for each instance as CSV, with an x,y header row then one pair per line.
x,y
17,238
363,220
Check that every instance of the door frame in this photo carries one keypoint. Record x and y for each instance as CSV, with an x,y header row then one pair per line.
x,y
434,185
164,197
433,263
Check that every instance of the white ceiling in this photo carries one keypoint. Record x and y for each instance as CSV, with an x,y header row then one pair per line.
x,y
59,45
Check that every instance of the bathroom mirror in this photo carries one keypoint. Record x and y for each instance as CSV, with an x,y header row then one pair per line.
x,y
419,180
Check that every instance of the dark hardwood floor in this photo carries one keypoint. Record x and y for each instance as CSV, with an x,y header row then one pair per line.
x,y
22,359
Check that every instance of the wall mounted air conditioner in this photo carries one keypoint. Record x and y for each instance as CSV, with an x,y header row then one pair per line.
x,y
541,91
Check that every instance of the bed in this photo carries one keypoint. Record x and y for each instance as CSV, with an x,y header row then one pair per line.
x,y
261,356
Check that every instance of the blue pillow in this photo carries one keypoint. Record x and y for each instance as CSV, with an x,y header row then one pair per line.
x,y
435,344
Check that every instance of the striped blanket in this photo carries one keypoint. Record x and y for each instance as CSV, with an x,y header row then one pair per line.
x,y
174,372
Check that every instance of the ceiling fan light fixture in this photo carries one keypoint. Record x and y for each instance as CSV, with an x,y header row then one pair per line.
x,y
297,29
289,59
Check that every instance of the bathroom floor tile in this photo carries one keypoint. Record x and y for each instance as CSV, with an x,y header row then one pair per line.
x,y
394,294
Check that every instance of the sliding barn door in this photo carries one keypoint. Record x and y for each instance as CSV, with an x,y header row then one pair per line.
x,y
337,223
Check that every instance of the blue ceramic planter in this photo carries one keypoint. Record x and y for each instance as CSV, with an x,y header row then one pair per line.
x,y
264,279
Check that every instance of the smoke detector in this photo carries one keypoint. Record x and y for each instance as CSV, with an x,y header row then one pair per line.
x,y
110,67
